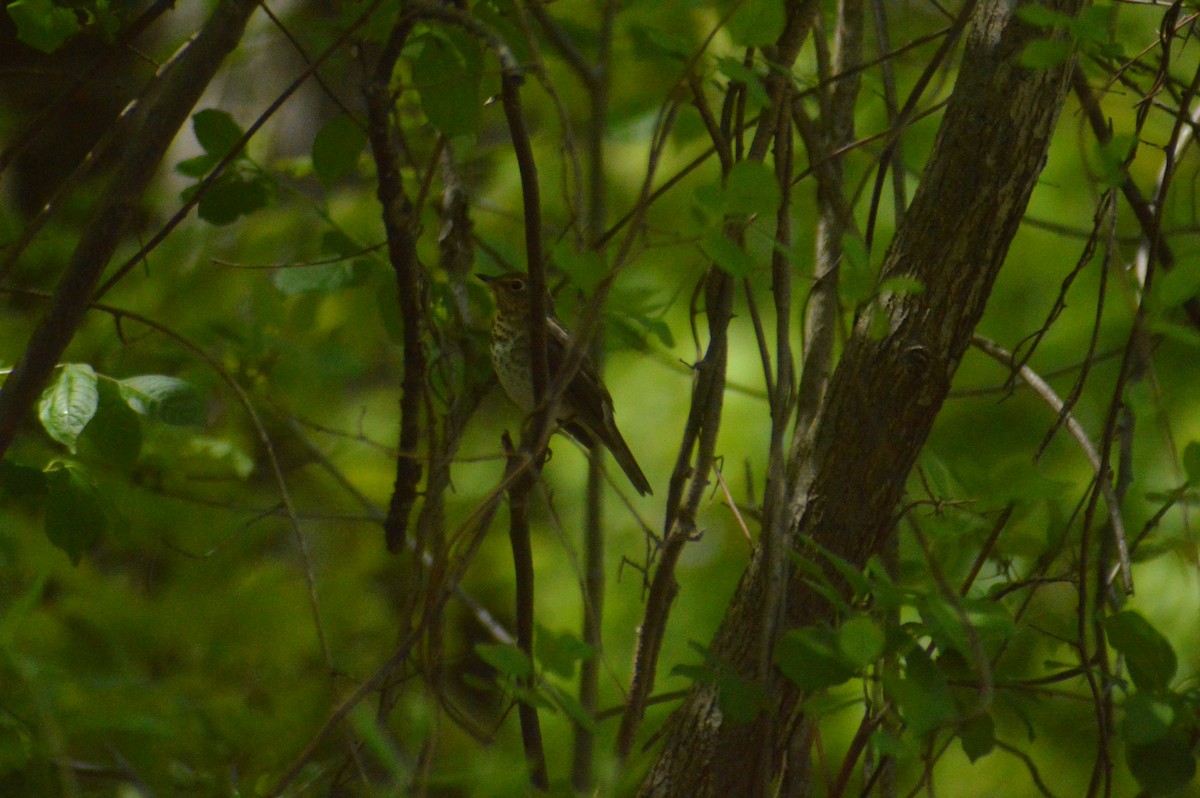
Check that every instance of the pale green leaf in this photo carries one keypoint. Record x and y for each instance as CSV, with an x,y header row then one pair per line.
x,y
727,255
163,398
69,403
43,25
509,660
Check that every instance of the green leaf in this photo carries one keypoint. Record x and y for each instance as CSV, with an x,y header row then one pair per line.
x,y
336,149
738,72
17,480
389,312
559,651
197,167
321,278
1175,331
106,17
335,242
923,694
809,658
216,131
889,743
43,25
448,74
163,398
1042,17
751,190
901,286
860,641
856,274
571,706
709,199
585,269
1148,655
943,622
883,590
815,577
741,700
854,576
75,518
379,745
659,329
1173,288
1015,479
509,660
214,458
1045,54
990,619
939,475
978,736
651,42
69,403
1191,462
21,607
1147,719
757,23
701,674
1112,156
533,697
728,256
17,745
114,435
1094,24
1164,766
232,196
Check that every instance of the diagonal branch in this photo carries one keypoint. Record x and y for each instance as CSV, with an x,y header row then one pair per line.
x,y
155,120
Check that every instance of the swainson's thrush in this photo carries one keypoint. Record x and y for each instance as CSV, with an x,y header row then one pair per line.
x,y
585,410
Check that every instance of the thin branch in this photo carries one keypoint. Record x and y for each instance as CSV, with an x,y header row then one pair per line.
x,y
1043,389
910,105
205,185
447,575
400,223
597,80
108,142
153,123
522,553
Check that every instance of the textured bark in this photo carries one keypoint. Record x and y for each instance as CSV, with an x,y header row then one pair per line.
x,y
890,382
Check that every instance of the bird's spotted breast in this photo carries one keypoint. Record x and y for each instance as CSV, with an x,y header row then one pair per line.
x,y
511,359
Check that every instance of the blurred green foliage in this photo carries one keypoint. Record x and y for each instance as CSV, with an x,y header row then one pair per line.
x,y
172,622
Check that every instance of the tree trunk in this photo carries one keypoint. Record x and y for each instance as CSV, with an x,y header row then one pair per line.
x,y
888,386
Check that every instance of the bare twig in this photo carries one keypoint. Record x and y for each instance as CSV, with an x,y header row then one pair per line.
x,y
1043,389
399,222
522,551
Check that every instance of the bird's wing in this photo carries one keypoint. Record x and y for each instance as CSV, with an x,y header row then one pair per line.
x,y
586,395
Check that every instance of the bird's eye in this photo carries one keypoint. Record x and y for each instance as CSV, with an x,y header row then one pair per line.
x,y
516,284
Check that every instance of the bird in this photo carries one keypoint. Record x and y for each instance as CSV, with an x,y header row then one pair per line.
x,y
585,409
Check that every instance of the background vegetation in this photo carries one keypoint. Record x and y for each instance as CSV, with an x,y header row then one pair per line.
x,y
258,524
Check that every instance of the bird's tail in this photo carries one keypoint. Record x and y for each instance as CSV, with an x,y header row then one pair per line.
x,y
625,459
611,438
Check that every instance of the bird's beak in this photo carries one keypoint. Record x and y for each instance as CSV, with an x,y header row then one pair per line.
x,y
487,278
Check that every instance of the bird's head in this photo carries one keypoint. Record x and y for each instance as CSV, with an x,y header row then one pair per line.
x,y
511,290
